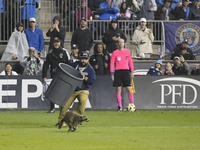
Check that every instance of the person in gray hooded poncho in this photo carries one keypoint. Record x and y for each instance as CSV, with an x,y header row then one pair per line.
x,y
17,47
32,64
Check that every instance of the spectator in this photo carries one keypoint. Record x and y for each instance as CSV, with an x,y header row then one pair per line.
x,y
118,2
81,93
164,11
108,10
196,10
82,37
32,64
184,50
184,12
94,5
157,69
17,47
133,4
1,4
74,55
180,66
143,38
122,62
8,70
35,36
10,10
28,10
196,70
100,61
174,3
147,9
124,13
54,57
81,12
56,31
112,36
168,69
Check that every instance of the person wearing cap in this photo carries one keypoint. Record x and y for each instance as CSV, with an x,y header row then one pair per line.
x,y
112,36
196,10
184,12
100,61
74,54
122,71
143,38
34,36
164,11
28,10
184,50
82,37
180,66
108,9
56,31
157,69
81,93
54,57
81,12
17,47
32,64
8,70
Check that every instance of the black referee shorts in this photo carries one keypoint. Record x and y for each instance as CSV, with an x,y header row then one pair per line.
x,y
122,77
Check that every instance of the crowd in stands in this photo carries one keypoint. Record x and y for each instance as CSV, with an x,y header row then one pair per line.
x,y
26,40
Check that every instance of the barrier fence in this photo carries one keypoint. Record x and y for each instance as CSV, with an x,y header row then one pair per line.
x,y
172,93
44,10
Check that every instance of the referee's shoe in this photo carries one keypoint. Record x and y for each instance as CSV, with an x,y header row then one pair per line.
x,y
119,109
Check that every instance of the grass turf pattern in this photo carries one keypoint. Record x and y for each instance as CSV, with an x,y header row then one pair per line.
x,y
107,130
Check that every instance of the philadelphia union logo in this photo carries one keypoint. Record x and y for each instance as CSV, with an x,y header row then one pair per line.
x,y
191,32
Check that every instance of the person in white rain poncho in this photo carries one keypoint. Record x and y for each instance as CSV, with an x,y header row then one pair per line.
x,y
17,47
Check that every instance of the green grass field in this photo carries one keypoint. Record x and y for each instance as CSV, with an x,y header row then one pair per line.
x,y
107,130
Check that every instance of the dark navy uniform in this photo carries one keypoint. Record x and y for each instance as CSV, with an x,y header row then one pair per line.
x,y
54,57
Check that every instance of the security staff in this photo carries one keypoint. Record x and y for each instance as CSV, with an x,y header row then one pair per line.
x,y
54,57
183,50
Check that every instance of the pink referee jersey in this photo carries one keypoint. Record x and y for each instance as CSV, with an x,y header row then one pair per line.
x,y
121,60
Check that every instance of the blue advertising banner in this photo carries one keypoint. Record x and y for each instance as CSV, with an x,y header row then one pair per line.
x,y
175,33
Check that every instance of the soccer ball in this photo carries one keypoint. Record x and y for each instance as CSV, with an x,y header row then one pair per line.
x,y
131,107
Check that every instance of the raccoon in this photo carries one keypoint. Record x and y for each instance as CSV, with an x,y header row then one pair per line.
x,y
72,119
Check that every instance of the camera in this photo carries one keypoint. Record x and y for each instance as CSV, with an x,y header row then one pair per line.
x,y
33,52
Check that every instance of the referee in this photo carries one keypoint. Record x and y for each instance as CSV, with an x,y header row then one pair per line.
x,y
121,60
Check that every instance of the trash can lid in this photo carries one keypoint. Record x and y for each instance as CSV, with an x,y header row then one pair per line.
x,y
61,65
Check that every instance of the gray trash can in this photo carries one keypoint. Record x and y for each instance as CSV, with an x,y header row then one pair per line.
x,y
65,81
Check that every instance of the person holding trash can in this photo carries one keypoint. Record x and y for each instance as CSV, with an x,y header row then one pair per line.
x,y
54,57
81,93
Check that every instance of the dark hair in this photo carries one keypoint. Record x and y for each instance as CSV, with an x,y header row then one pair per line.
x,y
122,10
8,64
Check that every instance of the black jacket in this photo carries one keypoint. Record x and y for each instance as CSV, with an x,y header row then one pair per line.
x,y
55,33
54,57
177,52
195,72
161,15
100,60
181,14
111,45
180,70
83,38
94,4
